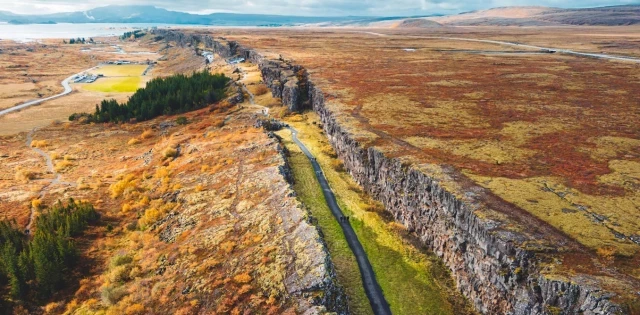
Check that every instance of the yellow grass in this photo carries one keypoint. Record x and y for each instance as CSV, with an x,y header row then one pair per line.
x,y
620,212
25,175
121,70
64,164
39,143
147,134
108,85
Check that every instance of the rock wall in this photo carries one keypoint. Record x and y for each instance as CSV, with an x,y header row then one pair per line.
x,y
498,276
301,284
495,274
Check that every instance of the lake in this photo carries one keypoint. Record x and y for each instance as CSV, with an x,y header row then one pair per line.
x,y
30,32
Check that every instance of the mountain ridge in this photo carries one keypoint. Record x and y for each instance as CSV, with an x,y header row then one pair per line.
x,y
152,14
499,16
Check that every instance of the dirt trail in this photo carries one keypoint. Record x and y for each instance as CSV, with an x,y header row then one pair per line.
x,y
50,169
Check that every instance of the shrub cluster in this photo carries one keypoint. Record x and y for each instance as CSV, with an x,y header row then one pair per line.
x,y
135,34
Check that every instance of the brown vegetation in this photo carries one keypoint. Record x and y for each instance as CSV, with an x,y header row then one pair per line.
x,y
171,223
549,136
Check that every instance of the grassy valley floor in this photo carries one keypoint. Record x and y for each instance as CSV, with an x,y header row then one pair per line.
x,y
404,271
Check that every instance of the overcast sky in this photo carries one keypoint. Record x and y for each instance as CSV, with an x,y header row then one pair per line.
x,y
301,7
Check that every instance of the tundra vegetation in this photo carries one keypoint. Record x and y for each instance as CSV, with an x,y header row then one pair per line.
x,y
206,228
548,136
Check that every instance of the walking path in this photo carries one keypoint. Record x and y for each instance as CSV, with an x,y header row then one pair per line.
x,y
371,286
50,169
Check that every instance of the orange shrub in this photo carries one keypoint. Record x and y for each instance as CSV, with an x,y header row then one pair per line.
x,y
261,90
147,134
134,309
242,278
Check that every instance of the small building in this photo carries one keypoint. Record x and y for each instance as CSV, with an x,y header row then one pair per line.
x,y
236,61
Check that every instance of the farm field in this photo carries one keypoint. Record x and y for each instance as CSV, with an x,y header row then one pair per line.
x,y
120,70
115,84
117,78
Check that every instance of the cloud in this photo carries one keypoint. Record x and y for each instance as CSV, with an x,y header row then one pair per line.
x,y
302,7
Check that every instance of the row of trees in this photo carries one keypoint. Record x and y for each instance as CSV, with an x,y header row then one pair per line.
x,y
135,34
164,96
42,263
78,41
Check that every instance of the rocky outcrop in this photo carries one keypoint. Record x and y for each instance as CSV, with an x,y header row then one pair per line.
x,y
490,266
310,279
287,82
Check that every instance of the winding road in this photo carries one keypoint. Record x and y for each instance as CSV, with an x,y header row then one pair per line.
x,y
488,41
65,85
371,286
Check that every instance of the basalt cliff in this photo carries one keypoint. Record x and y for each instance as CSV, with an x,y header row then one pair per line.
x,y
496,269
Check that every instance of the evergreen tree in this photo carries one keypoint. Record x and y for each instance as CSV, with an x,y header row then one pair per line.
x,y
50,255
165,96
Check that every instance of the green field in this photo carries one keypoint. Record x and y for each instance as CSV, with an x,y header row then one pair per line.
x,y
110,85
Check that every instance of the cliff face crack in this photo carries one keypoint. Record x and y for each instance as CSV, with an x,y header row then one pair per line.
x,y
373,290
371,286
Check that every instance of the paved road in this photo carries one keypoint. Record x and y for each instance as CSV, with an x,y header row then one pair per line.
x,y
371,287
65,85
488,41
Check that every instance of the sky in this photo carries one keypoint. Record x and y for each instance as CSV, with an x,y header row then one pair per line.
x,y
302,7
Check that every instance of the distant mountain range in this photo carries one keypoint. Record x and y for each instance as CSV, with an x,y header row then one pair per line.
x,y
508,16
151,14
543,16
